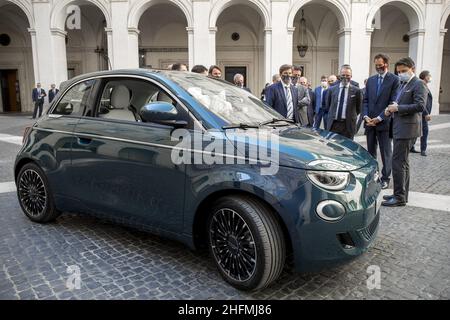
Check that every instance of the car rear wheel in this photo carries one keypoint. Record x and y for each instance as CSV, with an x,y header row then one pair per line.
x,y
246,242
34,194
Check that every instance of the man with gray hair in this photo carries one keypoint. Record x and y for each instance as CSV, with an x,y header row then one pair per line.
x,y
344,102
303,96
239,81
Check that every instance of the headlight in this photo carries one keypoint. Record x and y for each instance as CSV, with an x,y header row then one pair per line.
x,y
329,180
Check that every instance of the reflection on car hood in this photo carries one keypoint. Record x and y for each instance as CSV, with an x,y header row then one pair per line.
x,y
307,148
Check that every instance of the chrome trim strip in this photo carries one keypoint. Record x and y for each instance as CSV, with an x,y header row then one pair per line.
x,y
87,135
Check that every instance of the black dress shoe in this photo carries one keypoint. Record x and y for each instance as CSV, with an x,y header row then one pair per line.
x,y
413,150
423,153
384,185
388,197
393,202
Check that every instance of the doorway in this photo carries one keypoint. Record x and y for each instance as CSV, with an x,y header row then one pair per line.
x,y
10,91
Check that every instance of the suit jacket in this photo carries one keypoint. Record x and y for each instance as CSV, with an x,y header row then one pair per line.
x,y
354,106
412,100
374,105
35,96
318,99
276,98
429,104
52,95
311,107
303,97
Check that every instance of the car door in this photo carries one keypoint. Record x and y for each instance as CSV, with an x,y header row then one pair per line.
x,y
123,166
54,138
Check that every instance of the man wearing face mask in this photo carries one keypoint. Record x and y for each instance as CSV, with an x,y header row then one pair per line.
x,y
319,95
283,95
406,111
344,103
425,76
381,90
303,97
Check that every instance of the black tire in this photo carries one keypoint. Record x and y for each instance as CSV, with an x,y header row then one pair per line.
x,y
241,264
34,194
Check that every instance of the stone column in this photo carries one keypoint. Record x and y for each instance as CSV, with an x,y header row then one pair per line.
x,y
118,36
344,45
202,40
133,47
360,41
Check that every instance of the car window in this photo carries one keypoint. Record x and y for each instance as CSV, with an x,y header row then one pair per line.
x,y
75,99
123,98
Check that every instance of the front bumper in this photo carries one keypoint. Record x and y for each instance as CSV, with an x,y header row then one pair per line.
x,y
322,244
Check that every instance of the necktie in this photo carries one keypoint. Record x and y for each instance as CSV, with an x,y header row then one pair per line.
x,y
380,82
290,105
400,92
341,104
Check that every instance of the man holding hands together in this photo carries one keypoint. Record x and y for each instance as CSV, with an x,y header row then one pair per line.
x,y
406,113
381,90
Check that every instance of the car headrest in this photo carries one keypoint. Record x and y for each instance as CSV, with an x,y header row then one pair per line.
x,y
162,96
120,97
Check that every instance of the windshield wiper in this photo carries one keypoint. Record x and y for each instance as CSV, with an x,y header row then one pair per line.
x,y
244,126
275,120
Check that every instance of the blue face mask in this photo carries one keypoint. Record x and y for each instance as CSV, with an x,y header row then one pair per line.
x,y
404,77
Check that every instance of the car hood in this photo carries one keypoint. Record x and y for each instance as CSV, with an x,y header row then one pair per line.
x,y
304,148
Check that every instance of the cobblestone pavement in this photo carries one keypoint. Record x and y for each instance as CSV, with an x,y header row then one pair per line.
x,y
412,250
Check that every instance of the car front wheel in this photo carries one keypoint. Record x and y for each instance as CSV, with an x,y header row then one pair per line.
x,y
34,194
246,242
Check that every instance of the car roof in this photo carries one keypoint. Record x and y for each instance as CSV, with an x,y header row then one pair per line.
x,y
158,73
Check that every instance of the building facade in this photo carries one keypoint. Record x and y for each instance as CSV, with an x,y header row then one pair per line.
x,y
49,41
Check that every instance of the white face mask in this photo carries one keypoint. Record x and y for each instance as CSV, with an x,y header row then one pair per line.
x,y
404,77
324,84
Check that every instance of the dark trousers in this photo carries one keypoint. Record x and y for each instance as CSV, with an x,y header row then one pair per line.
x,y
38,105
359,123
340,127
318,118
381,138
400,168
424,138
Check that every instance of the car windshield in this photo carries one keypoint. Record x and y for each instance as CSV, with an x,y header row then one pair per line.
x,y
234,105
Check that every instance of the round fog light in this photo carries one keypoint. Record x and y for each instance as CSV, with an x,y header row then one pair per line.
x,y
330,210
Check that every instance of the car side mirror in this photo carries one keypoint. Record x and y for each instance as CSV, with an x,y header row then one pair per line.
x,y
161,112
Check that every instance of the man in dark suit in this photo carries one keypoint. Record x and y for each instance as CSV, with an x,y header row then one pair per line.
x,y
381,90
425,76
303,96
283,95
318,94
344,103
406,114
309,102
52,93
38,96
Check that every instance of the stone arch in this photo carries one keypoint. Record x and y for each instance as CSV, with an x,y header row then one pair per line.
x,y
336,6
221,5
140,6
26,9
445,17
58,16
411,9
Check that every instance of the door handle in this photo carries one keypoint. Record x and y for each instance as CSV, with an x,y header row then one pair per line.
x,y
84,141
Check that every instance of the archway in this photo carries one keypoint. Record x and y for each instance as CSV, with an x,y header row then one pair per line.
x,y
325,40
16,58
163,41
240,43
397,32
444,90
